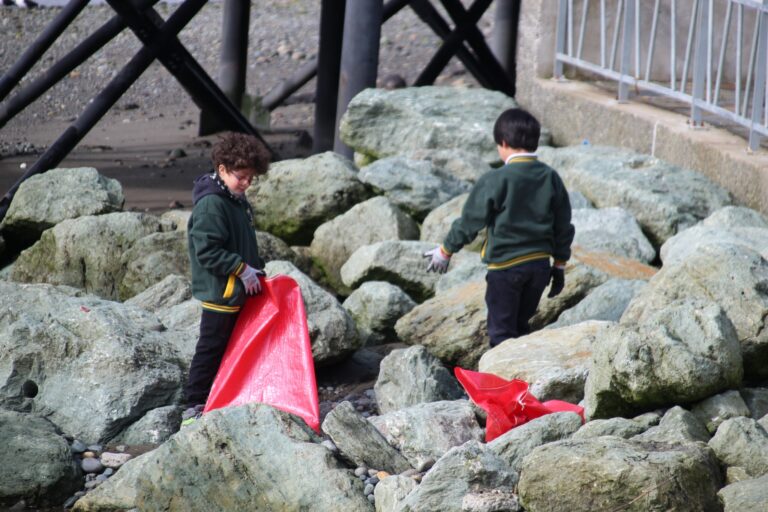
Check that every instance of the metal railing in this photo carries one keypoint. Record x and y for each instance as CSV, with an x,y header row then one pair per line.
x,y
622,42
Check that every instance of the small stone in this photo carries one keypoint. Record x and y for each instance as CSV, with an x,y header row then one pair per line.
x,y
409,472
361,470
368,489
120,448
175,205
78,446
95,448
89,455
108,472
91,484
381,475
177,153
363,478
371,498
71,501
79,494
330,445
102,478
372,472
373,480
91,465
114,460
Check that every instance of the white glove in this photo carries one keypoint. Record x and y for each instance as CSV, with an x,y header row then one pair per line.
x,y
438,260
250,278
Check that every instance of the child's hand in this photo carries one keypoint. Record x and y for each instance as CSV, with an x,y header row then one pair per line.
x,y
557,276
438,260
250,279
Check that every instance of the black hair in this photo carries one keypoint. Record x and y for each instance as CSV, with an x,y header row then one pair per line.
x,y
518,129
240,151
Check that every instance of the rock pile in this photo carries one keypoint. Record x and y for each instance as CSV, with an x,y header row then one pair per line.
x,y
97,327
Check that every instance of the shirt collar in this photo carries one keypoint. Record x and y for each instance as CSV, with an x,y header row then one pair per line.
x,y
515,156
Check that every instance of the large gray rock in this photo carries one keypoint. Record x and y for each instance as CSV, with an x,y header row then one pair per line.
x,y
371,221
375,307
156,427
360,442
664,198
171,291
273,248
416,186
470,468
44,200
438,223
332,331
517,443
452,326
609,473
681,354
742,442
399,262
425,432
686,243
677,426
734,277
714,410
736,217
85,252
619,427
462,165
613,230
412,376
98,366
380,123
36,464
756,400
745,496
607,302
151,259
237,458
555,362
391,491
175,220
297,196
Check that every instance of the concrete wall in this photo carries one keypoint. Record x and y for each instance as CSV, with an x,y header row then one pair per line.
x,y
575,111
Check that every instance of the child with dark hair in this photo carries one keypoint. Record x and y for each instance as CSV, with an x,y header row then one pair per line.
x,y
525,207
224,257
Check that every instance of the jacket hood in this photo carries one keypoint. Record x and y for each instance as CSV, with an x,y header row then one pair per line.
x,y
205,185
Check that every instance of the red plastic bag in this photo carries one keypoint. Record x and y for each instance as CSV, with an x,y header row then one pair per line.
x,y
269,357
507,402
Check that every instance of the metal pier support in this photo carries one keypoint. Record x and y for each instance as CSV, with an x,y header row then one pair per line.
x,y
328,66
504,37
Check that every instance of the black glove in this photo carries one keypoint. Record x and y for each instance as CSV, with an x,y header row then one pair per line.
x,y
557,281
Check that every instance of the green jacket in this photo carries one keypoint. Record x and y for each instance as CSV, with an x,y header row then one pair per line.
x,y
526,209
221,241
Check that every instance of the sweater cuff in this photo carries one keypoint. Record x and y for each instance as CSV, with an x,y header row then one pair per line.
x,y
240,267
559,264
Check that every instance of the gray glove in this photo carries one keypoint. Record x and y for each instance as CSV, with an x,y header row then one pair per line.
x,y
250,278
438,260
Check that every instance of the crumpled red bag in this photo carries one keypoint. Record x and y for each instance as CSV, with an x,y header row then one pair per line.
x,y
269,356
507,402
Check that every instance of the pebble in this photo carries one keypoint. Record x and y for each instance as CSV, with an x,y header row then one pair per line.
x,y
89,455
114,460
371,498
368,489
373,472
95,448
330,445
92,465
78,446
92,484
108,472
361,471
71,501
381,475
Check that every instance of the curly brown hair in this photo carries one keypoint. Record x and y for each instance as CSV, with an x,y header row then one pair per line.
x,y
240,151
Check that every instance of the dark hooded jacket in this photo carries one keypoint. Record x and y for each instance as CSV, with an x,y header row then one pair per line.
x,y
221,242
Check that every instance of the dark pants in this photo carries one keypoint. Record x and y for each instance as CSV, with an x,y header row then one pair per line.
x,y
512,297
215,329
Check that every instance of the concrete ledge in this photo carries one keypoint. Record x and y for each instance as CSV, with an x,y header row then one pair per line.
x,y
575,111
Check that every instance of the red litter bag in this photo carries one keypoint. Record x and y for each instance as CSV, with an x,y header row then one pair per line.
x,y
269,357
507,402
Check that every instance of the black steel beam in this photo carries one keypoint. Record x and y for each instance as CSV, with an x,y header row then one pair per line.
x,y
359,57
429,15
476,40
452,43
234,49
39,46
50,77
180,63
328,66
107,97
504,38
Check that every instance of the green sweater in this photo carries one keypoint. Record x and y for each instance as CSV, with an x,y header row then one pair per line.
x,y
221,241
526,209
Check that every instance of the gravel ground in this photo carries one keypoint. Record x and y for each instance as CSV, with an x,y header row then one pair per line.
x,y
283,36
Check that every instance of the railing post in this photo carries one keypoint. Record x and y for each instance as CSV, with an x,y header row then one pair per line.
x,y
628,38
758,96
700,61
562,19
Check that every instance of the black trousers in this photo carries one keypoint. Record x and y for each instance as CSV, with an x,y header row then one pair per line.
x,y
512,297
215,330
